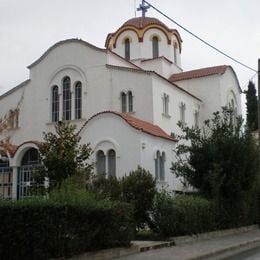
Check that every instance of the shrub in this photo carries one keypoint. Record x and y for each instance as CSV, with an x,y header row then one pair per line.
x,y
139,188
49,229
182,215
105,186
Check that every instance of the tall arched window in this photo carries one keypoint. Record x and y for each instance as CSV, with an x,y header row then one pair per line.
x,y
127,49
155,47
66,99
123,102
162,167
112,162
157,165
101,162
175,52
78,100
130,101
55,104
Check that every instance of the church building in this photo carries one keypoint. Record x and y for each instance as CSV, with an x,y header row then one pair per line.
x,y
125,99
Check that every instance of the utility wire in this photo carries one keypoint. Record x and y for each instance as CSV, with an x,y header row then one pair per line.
x,y
200,39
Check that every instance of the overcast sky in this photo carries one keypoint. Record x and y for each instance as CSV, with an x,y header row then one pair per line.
x,y
29,27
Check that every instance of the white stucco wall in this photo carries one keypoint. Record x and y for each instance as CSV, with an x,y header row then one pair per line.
x,y
133,147
176,96
214,90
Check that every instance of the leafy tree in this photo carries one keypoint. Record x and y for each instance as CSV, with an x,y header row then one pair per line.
x,y
251,107
220,161
63,155
139,189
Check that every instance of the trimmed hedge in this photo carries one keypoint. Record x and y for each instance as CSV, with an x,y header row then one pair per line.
x,y
182,215
46,229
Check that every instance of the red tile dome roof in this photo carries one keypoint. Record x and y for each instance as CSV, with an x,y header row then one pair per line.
x,y
142,22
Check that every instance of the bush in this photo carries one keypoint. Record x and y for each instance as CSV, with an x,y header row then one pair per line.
x,y
105,186
139,189
49,229
182,215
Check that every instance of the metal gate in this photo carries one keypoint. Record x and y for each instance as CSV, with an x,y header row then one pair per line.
x,y
6,182
26,182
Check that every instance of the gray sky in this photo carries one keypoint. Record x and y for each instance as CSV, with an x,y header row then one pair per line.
x,y
29,27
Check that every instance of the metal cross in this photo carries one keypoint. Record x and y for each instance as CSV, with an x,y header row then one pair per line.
x,y
143,8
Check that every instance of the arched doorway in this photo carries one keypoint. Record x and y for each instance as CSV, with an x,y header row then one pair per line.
x,y
30,164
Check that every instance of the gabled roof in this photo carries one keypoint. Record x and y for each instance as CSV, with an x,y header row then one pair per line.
x,y
138,124
62,42
198,73
15,88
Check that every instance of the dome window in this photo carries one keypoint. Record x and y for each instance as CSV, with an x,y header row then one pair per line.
x,y
127,49
155,47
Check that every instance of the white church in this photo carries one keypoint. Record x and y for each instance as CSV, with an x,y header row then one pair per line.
x,y
126,98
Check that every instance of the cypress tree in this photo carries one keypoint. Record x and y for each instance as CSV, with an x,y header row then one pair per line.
x,y
251,107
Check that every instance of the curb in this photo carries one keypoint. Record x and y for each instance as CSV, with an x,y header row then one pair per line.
x,y
136,247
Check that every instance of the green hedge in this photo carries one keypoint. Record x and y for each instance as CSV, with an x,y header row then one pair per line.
x,y
47,229
182,215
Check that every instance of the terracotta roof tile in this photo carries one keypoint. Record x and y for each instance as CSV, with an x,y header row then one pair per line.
x,y
198,73
138,124
142,22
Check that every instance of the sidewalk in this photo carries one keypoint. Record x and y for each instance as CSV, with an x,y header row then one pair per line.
x,y
202,249
209,245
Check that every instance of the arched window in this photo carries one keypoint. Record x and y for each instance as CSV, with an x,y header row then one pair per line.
x,y
196,118
123,102
78,100
155,47
162,167
31,157
101,162
175,52
55,104
127,49
112,162
182,112
66,99
157,165
130,101
165,99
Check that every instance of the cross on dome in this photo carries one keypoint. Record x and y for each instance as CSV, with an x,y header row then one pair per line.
x,y
143,8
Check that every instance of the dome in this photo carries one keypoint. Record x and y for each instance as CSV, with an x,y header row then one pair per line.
x,y
140,25
142,22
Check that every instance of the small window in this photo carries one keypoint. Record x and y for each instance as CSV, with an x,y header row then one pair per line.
x,y
78,100
55,104
123,102
112,162
182,112
130,101
155,47
66,99
165,99
101,162
127,49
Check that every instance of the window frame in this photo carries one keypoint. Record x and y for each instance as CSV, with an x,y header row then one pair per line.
x,y
66,98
